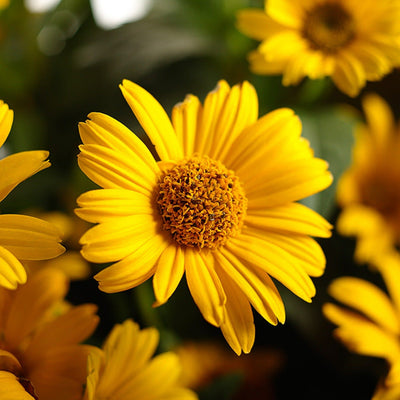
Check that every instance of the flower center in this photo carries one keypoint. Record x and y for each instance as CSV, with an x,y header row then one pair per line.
x,y
201,203
328,27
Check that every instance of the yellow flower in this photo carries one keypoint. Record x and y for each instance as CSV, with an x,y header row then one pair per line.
x,y
124,370
21,237
369,324
219,206
40,354
369,191
351,41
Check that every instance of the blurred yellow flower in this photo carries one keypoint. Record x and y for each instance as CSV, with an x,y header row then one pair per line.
x,y
124,369
40,354
369,324
4,4
71,262
21,237
349,40
220,206
369,191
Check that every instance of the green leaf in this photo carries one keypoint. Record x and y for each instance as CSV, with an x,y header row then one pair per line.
x,y
330,132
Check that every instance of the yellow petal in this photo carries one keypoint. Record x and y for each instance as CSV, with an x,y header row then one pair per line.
x,y
275,262
117,238
111,169
255,284
12,272
307,251
127,351
291,182
287,12
238,326
254,23
291,218
259,64
273,135
213,106
239,111
204,285
6,120
29,238
106,204
105,131
368,299
269,132
156,378
349,74
169,272
73,327
379,117
154,121
11,389
185,119
389,266
17,167
134,269
360,335
41,291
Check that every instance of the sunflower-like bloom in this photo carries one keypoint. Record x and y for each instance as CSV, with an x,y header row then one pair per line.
x,y
40,354
21,237
369,324
124,370
219,206
369,191
349,40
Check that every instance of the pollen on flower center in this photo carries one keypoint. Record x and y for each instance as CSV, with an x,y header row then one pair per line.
x,y
201,203
328,27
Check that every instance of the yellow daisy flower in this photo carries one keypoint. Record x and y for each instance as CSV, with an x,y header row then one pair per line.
x,y
369,191
219,206
349,40
369,324
124,370
40,352
21,237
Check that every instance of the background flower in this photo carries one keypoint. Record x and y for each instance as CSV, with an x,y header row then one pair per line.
x,y
124,368
369,190
349,41
40,347
369,323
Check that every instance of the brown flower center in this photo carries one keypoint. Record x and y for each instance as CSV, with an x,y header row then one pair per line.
x,y
201,203
328,27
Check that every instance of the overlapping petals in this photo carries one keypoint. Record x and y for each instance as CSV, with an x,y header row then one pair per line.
x,y
275,166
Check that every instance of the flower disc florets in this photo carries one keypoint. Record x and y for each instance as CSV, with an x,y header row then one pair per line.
x,y
201,203
328,27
